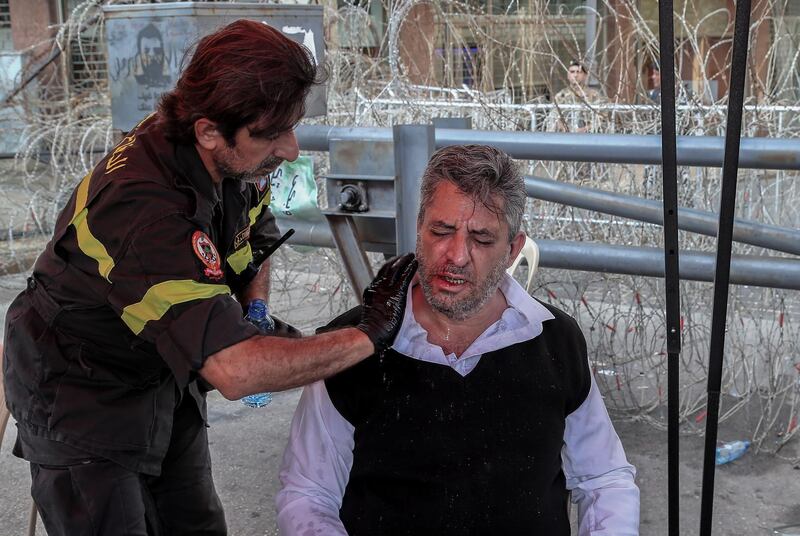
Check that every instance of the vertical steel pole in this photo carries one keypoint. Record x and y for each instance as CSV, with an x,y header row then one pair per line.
x,y
590,29
730,168
413,146
671,272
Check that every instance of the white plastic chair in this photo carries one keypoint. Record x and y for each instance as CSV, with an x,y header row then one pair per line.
x,y
529,252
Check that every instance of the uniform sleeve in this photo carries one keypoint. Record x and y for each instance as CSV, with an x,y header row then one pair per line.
x,y
315,468
168,294
597,472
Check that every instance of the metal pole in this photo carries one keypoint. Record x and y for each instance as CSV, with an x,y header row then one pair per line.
x,y
413,146
649,211
356,265
773,272
590,28
730,168
671,261
704,151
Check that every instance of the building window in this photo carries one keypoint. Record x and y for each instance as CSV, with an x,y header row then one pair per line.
x,y
565,7
503,7
88,64
6,42
88,60
496,7
466,63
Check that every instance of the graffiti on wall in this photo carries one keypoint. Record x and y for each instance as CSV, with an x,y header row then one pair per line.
x,y
149,65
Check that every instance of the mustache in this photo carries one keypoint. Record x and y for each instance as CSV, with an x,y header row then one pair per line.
x,y
452,269
271,163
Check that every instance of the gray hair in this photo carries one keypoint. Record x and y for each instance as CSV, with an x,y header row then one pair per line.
x,y
481,172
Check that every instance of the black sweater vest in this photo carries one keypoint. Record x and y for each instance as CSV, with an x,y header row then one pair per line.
x,y
438,453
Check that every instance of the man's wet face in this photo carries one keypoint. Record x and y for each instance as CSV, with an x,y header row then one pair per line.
x,y
463,250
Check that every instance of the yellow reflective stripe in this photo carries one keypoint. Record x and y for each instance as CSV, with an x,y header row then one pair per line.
x,y
256,210
81,195
159,298
240,259
91,246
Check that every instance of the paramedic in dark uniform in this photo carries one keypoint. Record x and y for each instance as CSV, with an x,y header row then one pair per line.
x,y
129,316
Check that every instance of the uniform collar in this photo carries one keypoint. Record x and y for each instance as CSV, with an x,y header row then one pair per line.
x,y
186,169
192,172
189,173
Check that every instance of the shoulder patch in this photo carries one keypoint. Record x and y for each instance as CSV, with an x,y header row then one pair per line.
x,y
207,253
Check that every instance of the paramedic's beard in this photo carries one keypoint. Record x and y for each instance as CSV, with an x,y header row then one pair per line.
x,y
253,176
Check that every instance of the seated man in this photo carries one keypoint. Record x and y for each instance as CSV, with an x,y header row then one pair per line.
x,y
483,415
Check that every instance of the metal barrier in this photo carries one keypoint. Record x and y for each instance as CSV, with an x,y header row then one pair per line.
x,y
756,153
364,210
608,117
373,193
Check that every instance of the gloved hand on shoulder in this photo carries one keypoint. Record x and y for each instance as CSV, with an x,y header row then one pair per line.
x,y
385,301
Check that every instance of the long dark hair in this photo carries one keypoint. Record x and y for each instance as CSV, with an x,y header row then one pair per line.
x,y
246,73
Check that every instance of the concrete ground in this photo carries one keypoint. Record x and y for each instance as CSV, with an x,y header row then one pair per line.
x,y
753,494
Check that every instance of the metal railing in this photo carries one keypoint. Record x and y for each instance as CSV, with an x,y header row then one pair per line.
x,y
758,153
604,117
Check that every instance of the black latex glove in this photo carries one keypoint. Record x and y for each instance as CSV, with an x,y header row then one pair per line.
x,y
282,329
385,301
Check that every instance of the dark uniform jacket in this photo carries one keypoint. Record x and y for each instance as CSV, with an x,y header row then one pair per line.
x,y
130,296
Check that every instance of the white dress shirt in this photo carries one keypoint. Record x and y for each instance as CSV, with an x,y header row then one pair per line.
x,y
318,458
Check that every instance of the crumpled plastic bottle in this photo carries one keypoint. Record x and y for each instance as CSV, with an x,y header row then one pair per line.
x,y
258,315
731,451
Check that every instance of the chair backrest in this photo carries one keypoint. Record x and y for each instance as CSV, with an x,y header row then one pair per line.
x,y
529,252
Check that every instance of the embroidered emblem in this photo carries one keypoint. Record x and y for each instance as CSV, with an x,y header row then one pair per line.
x,y
207,253
241,237
262,184
116,160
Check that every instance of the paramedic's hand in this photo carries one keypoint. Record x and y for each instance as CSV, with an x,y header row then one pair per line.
x,y
282,329
385,301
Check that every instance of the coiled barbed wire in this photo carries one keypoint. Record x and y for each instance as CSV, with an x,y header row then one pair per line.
x,y
500,67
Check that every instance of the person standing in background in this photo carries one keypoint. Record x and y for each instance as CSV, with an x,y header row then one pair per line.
x,y
577,92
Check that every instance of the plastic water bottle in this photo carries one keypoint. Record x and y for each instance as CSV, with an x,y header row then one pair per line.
x,y
731,451
258,315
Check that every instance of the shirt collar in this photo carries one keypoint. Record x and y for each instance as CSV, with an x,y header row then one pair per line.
x,y
521,321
